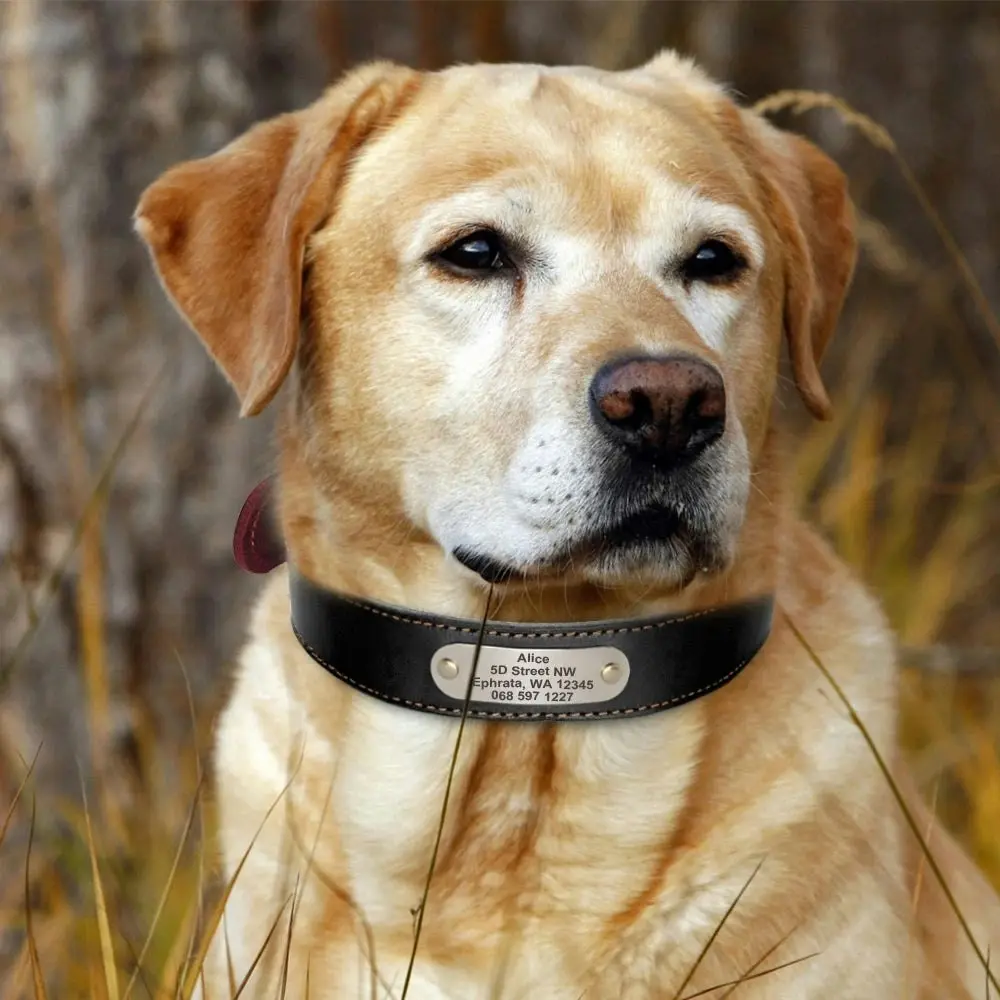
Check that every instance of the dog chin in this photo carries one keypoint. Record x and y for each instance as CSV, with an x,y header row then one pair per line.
x,y
670,563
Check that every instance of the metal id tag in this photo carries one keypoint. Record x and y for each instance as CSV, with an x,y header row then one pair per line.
x,y
527,677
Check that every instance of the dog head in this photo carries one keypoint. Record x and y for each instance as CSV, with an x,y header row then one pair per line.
x,y
537,312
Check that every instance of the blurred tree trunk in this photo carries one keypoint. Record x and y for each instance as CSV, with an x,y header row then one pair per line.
x,y
96,98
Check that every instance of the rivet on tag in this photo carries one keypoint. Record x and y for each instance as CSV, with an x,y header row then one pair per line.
x,y
610,673
448,669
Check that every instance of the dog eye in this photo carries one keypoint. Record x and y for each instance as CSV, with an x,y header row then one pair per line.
x,y
713,261
479,251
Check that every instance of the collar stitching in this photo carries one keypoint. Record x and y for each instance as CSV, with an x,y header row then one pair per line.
x,y
497,633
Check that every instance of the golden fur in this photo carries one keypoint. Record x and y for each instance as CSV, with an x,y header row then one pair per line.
x,y
577,860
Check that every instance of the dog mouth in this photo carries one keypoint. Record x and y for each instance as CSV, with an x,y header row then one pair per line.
x,y
651,528
490,569
653,524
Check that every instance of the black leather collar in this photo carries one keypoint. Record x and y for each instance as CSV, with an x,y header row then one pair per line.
x,y
530,672
580,670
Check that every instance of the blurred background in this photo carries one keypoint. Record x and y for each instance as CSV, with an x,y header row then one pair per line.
x,y
123,464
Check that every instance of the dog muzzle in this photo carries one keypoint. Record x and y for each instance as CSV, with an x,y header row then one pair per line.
x,y
486,669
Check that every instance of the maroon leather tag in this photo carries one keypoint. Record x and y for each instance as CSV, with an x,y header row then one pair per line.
x,y
257,544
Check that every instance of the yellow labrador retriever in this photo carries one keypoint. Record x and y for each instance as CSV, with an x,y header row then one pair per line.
x,y
530,320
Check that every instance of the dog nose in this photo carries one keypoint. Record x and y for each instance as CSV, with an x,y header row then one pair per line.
x,y
662,408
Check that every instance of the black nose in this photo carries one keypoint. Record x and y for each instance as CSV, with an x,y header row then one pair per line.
x,y
662,408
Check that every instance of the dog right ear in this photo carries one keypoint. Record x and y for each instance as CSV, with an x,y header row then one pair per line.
x,y
228,233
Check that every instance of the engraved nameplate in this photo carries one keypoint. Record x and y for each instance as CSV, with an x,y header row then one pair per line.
x,y
531,677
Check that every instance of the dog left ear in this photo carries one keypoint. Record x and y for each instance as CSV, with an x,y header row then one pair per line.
x,y
228,232
810,206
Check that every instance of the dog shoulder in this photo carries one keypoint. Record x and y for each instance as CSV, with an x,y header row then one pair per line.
x,y
823,596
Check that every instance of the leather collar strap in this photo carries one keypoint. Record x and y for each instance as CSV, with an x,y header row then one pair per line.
x,y
531,672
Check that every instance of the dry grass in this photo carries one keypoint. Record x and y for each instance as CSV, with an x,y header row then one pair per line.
x,y
116,900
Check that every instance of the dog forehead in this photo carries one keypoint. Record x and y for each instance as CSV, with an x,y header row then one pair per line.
x,y
665,79
601,136
527,108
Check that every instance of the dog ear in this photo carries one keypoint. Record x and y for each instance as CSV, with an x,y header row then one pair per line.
x,y
228,233
809,204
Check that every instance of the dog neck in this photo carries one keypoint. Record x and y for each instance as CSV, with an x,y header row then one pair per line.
x,y
355,543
